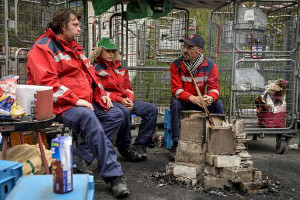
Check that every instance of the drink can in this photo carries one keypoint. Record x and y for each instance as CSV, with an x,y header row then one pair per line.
x,y
160,141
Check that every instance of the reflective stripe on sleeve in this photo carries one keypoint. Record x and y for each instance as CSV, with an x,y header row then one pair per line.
x,y
214,90
197,79
120,72
130,91
100,86
59,93
61,56
178,92
103,73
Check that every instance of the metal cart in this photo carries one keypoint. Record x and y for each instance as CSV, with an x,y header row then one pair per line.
x,y
253,43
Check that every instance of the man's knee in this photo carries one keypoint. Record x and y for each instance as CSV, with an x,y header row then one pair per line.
x,y
116,114
153,109
176,104
217,107
88,114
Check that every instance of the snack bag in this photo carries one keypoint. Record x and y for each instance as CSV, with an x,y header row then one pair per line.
x,y
16,110
8,86
6,103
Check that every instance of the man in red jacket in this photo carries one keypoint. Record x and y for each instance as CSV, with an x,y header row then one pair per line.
x,y
57,60
183,90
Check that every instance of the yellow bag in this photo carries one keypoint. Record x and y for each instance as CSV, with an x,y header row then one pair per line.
x,y
16,110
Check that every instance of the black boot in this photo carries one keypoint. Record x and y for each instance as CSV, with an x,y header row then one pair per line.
x,y
81,165
172,152
118,186
131,153
93,165
142,150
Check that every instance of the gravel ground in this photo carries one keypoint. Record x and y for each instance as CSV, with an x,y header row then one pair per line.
x,y
147,181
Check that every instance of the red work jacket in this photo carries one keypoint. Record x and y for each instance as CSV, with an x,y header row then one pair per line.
x,y
206,76
115,79
54,62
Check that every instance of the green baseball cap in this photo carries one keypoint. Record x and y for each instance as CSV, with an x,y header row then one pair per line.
x,y
107,43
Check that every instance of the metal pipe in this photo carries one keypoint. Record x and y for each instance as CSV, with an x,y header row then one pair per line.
x,y
6,39
16,57
110,22
232,98
94,32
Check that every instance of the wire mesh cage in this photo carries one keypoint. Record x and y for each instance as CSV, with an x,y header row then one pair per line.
x,y
252,43
148,46
26,21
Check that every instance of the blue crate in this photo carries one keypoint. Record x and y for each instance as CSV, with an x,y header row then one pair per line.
x,y
10,172
40,187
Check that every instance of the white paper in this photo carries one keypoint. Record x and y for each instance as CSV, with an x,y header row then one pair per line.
x,y
249,15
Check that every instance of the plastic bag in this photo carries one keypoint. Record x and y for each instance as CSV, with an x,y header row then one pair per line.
x,y
30,157
10,108
8,86
16,110
271,105
6,103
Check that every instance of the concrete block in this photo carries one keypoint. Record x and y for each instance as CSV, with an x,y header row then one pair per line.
x,y
212,170
193,128
213,182
209,158
247,163
240,147
237,174
257,187
239,127
221,141
190,152
217,119
187,170
227,161
244,155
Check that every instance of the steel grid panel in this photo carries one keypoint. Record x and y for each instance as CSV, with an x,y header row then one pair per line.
x,y
148,46
266,46
27,21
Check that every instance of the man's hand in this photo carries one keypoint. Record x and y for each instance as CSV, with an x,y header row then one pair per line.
x,y
208,99
128,103
107,101
195,100
84,103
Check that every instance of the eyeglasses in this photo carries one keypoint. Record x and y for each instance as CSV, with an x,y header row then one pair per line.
x,y
189,47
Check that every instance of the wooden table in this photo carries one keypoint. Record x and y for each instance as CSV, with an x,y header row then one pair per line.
x,y
6,127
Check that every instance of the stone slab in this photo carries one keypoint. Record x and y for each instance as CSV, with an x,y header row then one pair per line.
x,y
187,170
213,182
193,129
209,158
237,174
227,160
221,141
190,152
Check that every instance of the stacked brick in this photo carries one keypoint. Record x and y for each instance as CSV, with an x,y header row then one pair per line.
x,y
215,156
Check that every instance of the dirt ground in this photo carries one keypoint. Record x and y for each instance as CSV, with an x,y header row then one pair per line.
x,y
147,181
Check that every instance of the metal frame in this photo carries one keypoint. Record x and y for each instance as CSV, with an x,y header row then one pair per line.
x,y
238,53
